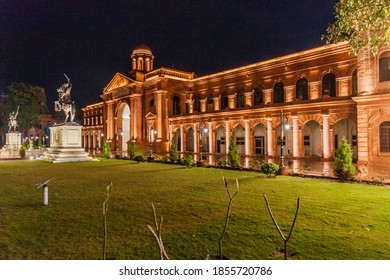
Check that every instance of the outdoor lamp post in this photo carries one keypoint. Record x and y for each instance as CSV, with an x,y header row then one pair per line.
x,y
283,125
153,133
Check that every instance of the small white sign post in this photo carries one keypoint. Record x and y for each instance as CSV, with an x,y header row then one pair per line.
x,y
45,191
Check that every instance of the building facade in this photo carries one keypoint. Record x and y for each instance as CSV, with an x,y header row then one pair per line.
x,y
299,106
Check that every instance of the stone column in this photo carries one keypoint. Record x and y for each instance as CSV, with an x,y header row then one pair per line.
x,y
196,141
211,142
182,139
110,122
270,151
85,140
325,136
169,132
93,140
247,138
227,136
137,115
295,136
362,134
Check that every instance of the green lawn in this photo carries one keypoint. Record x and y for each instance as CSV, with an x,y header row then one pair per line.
x,y
336,220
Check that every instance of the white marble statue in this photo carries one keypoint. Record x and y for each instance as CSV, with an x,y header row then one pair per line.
x,y
12,123
65,102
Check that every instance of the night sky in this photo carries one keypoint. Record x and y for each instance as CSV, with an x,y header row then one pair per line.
x,y
92,40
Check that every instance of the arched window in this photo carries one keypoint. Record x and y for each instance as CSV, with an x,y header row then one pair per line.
x,y
176,105
384,67
354,83
302,89
257,96
196,103
279,93
329,85
384,136
210,103
224,101
240,99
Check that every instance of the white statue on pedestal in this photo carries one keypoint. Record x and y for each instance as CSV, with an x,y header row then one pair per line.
x,y
12,123
65,102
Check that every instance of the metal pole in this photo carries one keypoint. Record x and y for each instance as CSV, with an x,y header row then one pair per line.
x,y
200,141
45,194
45,191
281,139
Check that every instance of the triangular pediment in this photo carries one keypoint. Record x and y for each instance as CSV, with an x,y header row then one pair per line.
x,y
150,116
118,81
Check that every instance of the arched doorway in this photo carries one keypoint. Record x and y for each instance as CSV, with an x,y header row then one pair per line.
x,y
239,133
125,134
312,139
221,140
190,140
260,136
345,128
177,135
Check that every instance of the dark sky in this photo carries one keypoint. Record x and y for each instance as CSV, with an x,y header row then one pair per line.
x,y
92,40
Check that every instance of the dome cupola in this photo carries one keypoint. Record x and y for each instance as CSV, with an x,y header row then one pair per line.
x,y
142,59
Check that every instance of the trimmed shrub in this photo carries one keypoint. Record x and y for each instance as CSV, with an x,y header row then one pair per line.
x,y
106,153
139,158
343,167
173,153
233,156
269,168
131,149
22,150
188,162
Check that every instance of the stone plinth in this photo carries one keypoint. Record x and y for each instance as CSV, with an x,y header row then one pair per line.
x,y
12,145
13,140
65,144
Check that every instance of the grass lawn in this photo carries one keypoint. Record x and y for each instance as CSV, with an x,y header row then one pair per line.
x,y
336,220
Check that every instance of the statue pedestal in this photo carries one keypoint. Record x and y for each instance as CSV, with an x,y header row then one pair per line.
x,y
13,141
65,144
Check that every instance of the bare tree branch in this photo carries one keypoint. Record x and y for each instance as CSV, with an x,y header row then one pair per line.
x,y
105,211
231,198
157,234
285,240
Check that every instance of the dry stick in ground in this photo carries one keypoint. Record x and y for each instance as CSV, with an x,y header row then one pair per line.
x,y
278,228
231,197
105,210
157,235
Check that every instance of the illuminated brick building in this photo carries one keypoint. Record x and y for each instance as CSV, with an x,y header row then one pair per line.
x,y
322,95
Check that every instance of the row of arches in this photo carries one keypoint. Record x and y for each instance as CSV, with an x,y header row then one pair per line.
x,y
310,140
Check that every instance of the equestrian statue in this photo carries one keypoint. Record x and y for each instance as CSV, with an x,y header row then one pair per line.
x,y
65,102
12,123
